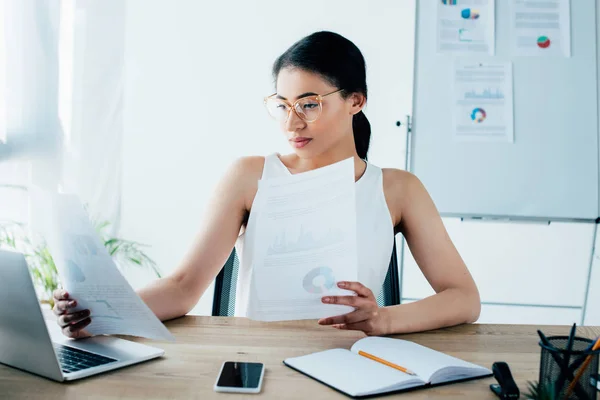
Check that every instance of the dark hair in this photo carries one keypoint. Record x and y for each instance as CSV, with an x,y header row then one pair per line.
x,y
340,63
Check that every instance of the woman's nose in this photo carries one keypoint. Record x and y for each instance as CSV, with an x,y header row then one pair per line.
x,y
294,122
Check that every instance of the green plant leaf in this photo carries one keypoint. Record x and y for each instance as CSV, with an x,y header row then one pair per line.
x,y
43,269
539,392
135,260
110,242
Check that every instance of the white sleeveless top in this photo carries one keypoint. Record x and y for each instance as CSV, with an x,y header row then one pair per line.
x,y
375,234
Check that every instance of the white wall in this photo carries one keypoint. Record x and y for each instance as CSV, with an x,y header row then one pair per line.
x,y
196,75
524,272
592,310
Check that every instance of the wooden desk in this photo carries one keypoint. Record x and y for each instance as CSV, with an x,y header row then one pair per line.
x,y
190,366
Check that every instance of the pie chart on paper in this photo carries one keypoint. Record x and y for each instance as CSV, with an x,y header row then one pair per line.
x,y
543,42
319,280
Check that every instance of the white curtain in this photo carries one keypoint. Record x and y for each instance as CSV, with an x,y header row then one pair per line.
x,y
93,158
62,97
31,153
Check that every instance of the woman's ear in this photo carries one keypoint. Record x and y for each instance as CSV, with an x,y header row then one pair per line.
x,y
357,102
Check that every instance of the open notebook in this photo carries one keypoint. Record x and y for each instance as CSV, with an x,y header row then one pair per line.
x,y
358,376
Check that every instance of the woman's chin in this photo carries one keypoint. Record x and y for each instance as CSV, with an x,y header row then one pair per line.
x,y
306,151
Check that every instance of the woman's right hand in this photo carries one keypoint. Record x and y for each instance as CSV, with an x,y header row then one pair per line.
x,y
71,323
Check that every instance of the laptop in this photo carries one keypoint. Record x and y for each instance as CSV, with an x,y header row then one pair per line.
x,y
30,343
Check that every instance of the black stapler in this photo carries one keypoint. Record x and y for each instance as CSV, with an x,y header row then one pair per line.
x,y
507,388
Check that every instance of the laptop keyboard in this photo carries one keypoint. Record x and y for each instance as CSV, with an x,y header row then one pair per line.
x,y
72,359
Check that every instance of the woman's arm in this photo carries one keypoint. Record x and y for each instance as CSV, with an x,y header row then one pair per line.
x,y
457,299
176,294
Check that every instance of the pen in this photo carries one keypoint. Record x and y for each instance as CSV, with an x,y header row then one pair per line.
x,y
564,373
582,369
559,360
389,364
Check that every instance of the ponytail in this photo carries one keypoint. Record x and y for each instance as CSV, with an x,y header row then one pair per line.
x,y
362,134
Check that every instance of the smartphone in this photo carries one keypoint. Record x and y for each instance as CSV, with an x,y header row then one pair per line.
x,y
240,377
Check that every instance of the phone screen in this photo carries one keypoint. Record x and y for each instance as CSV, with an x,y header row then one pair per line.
x,y
240,375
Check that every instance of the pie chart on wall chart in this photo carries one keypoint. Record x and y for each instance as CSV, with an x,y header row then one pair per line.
x,y
543,42
478,115
468,13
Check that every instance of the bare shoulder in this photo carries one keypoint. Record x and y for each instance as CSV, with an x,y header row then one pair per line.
x,y
239,183
247,171
400,188
399,182
395,175
249,166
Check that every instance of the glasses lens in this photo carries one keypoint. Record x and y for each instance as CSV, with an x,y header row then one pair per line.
x,y
309,109
277,108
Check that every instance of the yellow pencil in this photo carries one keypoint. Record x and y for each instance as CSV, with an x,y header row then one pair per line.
x,y
587,361
389,364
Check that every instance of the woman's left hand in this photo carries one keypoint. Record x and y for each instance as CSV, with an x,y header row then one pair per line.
x,y
366,317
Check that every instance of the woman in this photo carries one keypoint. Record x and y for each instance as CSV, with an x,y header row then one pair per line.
x,y
321,91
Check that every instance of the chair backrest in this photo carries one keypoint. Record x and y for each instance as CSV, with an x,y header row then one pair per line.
x,y
225,284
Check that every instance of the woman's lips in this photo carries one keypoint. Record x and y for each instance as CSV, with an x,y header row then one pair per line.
x,y
300,142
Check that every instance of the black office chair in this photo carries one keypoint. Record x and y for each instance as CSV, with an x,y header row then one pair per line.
x,y
225,283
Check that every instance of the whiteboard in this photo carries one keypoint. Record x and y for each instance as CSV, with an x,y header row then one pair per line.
x,y
550,172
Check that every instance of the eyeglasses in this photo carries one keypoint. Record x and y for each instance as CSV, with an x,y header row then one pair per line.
x,y
307,108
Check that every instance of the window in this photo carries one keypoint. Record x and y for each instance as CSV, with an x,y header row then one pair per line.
x,y
11,191
2,78
65,67
15,174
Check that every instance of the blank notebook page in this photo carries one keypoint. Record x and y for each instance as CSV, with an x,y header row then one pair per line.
x,y
350,372
422,360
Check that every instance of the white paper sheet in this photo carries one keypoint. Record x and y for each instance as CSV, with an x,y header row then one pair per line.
x,y
305,243
483,102
466,26
88,272
541,28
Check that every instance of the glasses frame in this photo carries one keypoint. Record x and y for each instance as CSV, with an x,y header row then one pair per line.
x,y
319,98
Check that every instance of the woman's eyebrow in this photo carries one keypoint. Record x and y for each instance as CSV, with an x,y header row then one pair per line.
x,y
299,97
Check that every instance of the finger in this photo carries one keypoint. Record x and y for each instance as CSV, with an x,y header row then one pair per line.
x,y
357,287
70,319
354,301
75,331
60,294
61,307
350,318
83,333
365,326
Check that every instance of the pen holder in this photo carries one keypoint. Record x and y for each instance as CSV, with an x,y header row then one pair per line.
x,y
556,379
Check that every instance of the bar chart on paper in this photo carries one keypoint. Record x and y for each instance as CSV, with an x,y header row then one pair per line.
x,y
287,242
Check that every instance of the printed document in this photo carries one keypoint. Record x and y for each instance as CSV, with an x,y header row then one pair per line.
x,y
466,26
88,272
483,102
541,28
305,243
